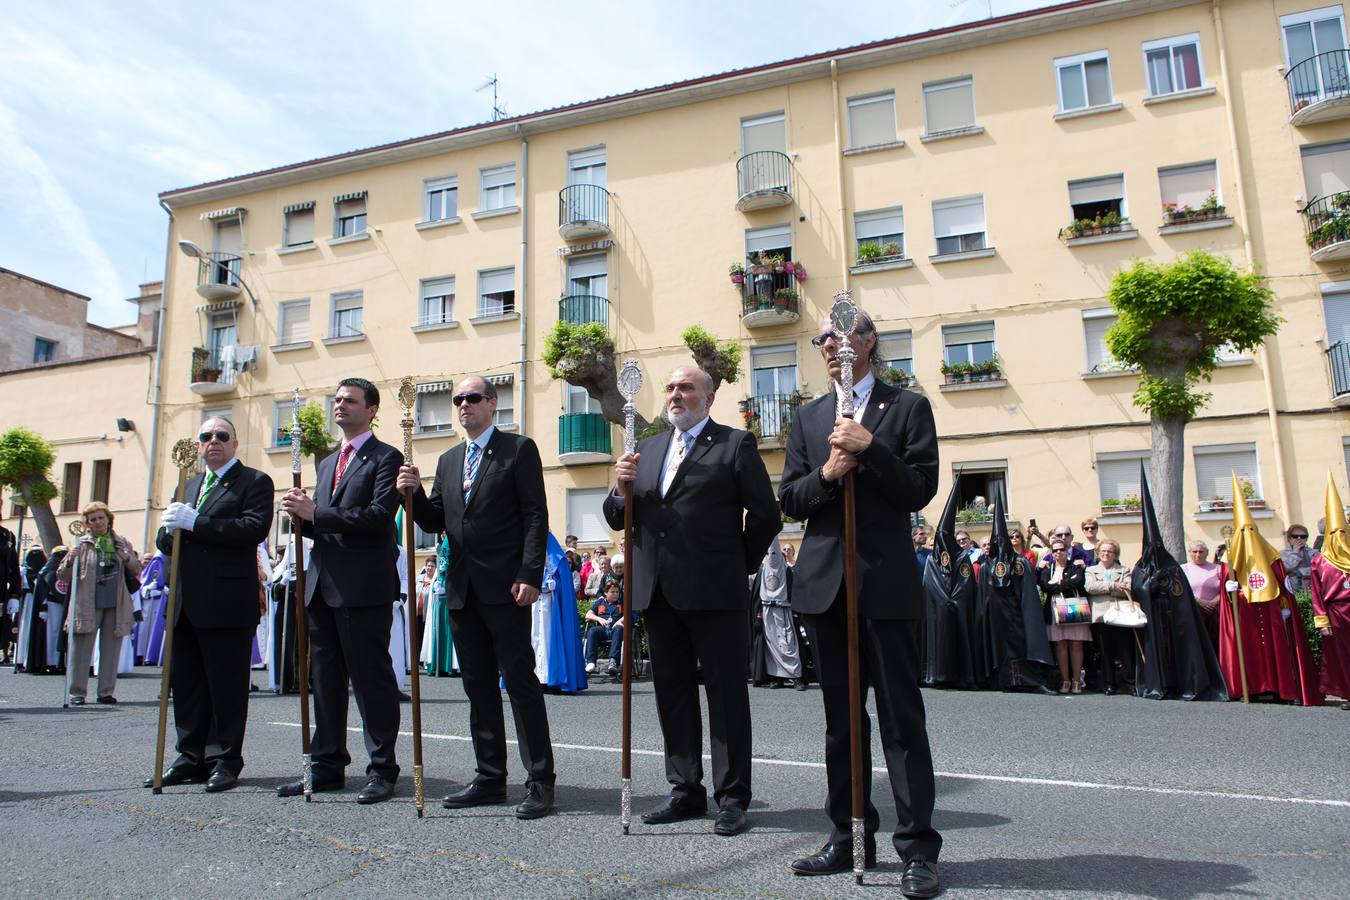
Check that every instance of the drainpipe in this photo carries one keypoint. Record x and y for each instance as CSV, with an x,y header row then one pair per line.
x,y
522,306
152,475
1267,374
839,164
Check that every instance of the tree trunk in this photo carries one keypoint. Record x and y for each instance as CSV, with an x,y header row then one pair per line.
x,y
598,375
1165,481
48,531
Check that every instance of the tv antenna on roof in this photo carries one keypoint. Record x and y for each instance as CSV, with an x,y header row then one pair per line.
x,y
497,111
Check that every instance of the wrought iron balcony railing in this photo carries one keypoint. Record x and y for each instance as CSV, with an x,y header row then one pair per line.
x,y
581,309
583,433
1338,361
769,416
763,179
1318,80
583,211
1326,223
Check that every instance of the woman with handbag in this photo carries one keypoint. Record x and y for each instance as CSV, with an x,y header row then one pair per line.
x,y
1066,612
1108,582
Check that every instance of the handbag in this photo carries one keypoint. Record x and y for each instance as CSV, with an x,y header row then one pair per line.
x,y
1126,613
1071,610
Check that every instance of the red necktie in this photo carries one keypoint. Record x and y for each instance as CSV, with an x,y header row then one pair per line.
x,y
343,458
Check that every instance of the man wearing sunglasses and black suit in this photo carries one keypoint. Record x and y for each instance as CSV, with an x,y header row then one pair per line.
x,y
227,512
350,603
488,498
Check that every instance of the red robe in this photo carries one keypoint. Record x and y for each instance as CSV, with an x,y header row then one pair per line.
x,y
1331,598
1273,665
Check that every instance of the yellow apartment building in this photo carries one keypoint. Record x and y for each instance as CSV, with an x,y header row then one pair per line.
x,y
976,187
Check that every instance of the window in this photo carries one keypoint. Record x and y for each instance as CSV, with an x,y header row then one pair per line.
x,y
774,384
1096,323
423,540
497,187
506,400
896,349
70,488
871,120
102,479
763,133
293,322
282,412
880,227
44,350
576,401
1326,170
970,343
438,301
958,224
1093,197
1118,477
347,310
441,199
1188,186
1173,64
1315,33
986,479
586,167
948,106
349,214
588,275
497,291
1336,309
584,517
1084,81
435,407
1215,466
297,224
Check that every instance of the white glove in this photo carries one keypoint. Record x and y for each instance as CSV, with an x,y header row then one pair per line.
x,y
178,515
151,592
1286,612
1231,586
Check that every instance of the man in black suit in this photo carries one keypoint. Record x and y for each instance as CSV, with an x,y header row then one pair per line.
x,y
350,603
488,498
227,513
891,447
703,516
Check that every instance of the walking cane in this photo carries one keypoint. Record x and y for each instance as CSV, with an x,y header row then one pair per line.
x,y
630,382
1237,634
844,318
184,457
298,592
77,529
407,396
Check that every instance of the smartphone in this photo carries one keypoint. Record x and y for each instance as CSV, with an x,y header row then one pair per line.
x,y
1032,520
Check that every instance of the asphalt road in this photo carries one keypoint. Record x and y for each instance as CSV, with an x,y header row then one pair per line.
x,y
1084,796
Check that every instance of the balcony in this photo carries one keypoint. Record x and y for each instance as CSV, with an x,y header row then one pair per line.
x,y
1319,88
769,417
215,370
1338,362
763,180
583,212
218,276
583,439
769,295
582,309
1326,226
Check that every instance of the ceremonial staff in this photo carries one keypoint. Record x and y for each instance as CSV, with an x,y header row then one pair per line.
x,y
407,396
77,529
844,318
184,457
298,593
630,382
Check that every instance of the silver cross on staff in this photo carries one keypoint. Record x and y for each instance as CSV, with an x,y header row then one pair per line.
x,y
843,319
630,384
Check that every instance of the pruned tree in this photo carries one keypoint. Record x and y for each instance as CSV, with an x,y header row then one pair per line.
x,y
26,460
1172,320
316,439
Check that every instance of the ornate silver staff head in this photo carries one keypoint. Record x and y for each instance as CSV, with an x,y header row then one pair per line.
x,y
296,431
843,319
630,383
407,397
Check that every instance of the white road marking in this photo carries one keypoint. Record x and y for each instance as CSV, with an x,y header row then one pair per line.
x,y
966,776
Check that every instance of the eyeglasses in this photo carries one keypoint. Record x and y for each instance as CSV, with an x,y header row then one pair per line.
x,y
1059,550
460,399
820,339
1088,528
222,436
1298,537
1063,534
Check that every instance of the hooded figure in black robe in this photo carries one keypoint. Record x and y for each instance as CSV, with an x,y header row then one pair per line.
x,y
1177,656
46,598
1012,604
949,636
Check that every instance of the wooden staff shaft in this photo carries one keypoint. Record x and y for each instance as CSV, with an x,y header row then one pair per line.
x,y
301,646
1237,634
166,658
414,648
626,756
855,709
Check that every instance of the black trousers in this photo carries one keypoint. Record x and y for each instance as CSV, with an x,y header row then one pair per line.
x,y
492,640
352,643
889,664
209,673
680,641
1115,644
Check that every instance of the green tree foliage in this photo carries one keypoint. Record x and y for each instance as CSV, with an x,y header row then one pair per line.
x,y
316,439
26,460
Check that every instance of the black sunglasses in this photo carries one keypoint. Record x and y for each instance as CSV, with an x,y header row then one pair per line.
x,y
222,436
820,339
1300,537
470,399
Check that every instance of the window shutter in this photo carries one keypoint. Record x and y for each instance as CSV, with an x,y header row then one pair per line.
x,y
1188,185
949,106
300,226
773,357
878,223
1336,307
1119,477
1096,323
1326,170
435,410
896,345
1096,190
964,215
972,333
763,133
1214,471
773,238
871,120
496,281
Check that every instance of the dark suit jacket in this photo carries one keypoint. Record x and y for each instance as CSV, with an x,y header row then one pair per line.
x,y
218,569
710,530
896,476
500,537
353,529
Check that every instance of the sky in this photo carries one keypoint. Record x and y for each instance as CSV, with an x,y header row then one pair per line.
x,y
106,104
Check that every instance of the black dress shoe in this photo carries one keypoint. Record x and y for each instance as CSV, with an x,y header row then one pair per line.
x,y
1109,691
920,879
834,859
221,780
296,788
178,775
108,700
674,811
404,697
377,790
799,684
731,821
538,801
475,794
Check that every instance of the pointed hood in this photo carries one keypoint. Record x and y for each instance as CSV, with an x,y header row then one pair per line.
x,y
945,549
1250,556
1003,559
1152,533
1336,543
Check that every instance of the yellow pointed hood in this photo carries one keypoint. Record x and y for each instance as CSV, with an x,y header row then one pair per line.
x,y
1250,556
1336,543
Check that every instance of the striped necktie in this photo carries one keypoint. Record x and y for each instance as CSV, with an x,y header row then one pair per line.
x,y
681,449
344,458
471,461
207,486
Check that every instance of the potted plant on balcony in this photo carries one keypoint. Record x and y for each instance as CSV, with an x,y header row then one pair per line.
x,y
784,299
956,373
894,377
737,272
202,371
752,421
868,252
987,370
891,250
796,270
